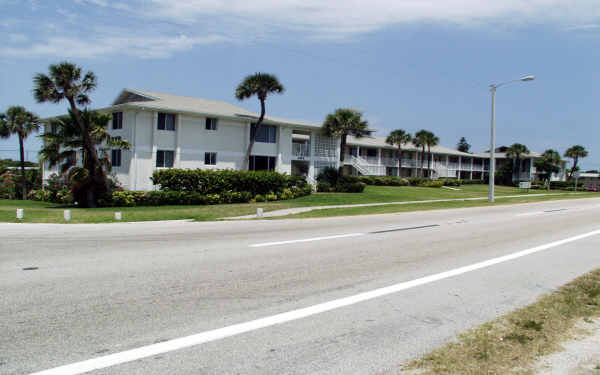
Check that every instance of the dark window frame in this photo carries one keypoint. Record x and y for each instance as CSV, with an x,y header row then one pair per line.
x,y
211,123
116,158
162,122
117,120
271,163
266,133
210,158
162,161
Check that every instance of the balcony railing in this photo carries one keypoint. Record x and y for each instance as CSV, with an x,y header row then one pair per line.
x,y
301,150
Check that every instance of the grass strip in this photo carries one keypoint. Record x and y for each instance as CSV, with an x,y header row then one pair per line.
x,y
512,343
427,206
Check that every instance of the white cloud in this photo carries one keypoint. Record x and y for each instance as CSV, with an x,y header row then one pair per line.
x,y
142,47
356,16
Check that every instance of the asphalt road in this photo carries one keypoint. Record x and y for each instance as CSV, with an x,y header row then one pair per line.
x,y
108,288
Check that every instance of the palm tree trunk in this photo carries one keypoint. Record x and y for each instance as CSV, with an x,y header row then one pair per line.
x,y
422,160
575,160
429,162
399,160
23,177
253,133
343,140
97,185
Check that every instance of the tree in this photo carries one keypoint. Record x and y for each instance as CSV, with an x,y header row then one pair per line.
x,y
66,82
549,163
398,138
514,152
575,152
462,145
61,147
261,85
430,140
342,123
21,122
420,140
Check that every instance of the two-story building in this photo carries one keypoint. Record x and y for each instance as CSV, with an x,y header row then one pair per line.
x,y
172,131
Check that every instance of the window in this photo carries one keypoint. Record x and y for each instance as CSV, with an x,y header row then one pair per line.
x,y
164,159
117,120
115,158
211,123
262,163
210,158
266,134
53,128
166,121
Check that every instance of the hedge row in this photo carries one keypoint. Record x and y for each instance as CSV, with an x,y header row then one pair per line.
x,y
411,181
205,181
348,187
183,198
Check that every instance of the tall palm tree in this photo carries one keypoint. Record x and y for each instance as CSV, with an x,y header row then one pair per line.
x,y
342,123
21,122
514,152
575,152
420,140
430,140
398,138
261,85
66,81
549,163
61,146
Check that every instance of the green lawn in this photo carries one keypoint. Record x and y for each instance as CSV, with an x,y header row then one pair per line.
x,y
53,213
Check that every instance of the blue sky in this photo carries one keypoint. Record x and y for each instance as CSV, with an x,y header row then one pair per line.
x,y
408,64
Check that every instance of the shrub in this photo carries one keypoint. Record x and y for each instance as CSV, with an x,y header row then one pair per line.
x,y
287,194
271,197
351,187
220,181
416,181
323,187
432,184
329,175
452,182
259,198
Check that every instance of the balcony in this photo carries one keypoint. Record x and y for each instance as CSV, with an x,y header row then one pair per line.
x,y
300,150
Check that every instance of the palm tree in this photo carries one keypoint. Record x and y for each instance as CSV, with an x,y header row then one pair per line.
x,y
430,140
420,140
261,85
61,146
398,138
21,122
514,152
548,164
342,123
66,82
575,152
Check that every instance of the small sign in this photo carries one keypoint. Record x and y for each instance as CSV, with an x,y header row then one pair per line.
x,y
525,185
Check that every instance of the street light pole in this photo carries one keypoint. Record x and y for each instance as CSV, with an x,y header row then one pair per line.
x,y
492,168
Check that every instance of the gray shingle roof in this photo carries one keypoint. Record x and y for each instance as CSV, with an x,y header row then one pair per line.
x,y
380,142
177,103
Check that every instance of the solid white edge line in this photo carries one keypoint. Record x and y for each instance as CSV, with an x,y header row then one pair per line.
x,y
307,240
236,329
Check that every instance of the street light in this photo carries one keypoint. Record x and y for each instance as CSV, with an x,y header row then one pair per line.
x,y
492,172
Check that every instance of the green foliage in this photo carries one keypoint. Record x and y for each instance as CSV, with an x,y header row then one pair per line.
x,y
324,187
271,197
329,175
207,181
350,187
463,145
259,198
452,182
433,184
472,182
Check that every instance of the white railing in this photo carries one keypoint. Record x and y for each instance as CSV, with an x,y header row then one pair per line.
x,y
365,168
373,160
390,162
301,150
409,163
452,165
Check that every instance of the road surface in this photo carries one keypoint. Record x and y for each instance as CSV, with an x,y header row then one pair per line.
x,y
360,294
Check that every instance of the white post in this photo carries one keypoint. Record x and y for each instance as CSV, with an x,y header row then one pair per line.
x,y
259,213
20,213
459,167
67,215
118,216
492,146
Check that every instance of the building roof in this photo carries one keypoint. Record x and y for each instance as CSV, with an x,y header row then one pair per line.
x,y
502,155
589,175
177,103
380,142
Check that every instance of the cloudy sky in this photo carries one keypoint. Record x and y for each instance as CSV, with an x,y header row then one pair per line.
x,y
408,64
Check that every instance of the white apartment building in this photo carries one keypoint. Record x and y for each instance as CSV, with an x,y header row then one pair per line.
x,y
172,131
